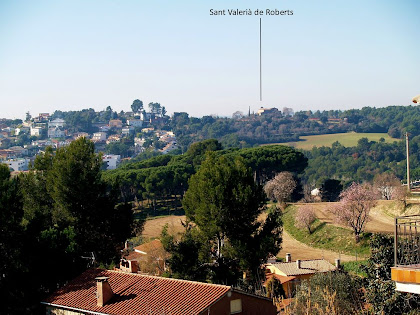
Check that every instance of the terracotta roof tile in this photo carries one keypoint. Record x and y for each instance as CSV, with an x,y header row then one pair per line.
x,y
138,294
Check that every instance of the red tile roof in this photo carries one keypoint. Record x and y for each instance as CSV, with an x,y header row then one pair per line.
x,y
138,294
284,279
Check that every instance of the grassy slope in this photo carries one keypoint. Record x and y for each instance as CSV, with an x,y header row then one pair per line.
x,y
325,236
346,139
355,267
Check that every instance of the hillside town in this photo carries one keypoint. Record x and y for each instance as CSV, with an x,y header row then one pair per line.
x,y
43,130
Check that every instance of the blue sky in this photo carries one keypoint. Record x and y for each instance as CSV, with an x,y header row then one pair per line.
x,y
70,55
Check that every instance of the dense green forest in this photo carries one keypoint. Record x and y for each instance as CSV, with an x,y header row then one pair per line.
x,y
165,178
362,162
250,130
55,221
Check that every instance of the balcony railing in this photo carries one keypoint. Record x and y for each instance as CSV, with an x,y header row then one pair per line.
x,y
407,241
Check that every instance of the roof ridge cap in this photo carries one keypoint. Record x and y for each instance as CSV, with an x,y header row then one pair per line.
x,y
172,279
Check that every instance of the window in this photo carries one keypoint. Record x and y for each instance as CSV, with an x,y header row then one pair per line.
x,y
235,306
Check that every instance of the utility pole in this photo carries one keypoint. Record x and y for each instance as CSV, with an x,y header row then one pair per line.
x,y
408,161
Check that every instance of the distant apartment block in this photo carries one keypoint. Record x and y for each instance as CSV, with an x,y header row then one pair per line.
x,y
18,151
112,161
18,164
42,117
145,116
56,123
56,132
126,131
99,137
137,123
22,130
36,131
41,143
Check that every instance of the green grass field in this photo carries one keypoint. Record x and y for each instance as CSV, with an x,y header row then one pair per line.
x,y
346,139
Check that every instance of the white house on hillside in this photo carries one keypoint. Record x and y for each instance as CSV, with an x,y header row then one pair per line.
x,y
137,123
58,122
112,161
99,137
56,132
36,131
18,164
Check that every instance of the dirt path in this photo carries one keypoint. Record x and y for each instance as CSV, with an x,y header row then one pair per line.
x,y
379,221
302,251
153,228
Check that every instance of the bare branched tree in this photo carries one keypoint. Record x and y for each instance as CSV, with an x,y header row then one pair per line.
x,y
387,184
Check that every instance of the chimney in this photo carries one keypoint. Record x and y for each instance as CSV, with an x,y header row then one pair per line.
x,y
103,291
288,257
337,263
298,263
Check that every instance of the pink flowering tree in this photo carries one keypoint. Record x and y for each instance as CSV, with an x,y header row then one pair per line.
x,y
304,218
281,187
354,207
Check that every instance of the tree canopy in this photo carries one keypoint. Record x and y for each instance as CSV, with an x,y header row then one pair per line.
x,y
137,106
224,202
59,218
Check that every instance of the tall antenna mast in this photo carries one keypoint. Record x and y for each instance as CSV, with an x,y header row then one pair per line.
x,y
408,161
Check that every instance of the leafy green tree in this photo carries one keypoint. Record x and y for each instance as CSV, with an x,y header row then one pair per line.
x,y
163,111
155,108
380,289
119,148
224,202
268,160
331,189
81,198
197,151
12,267
334,293
187,260
69,213
137,106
